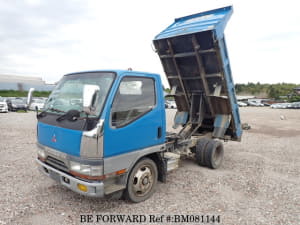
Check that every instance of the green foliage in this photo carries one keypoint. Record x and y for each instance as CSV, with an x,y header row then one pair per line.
x,y
276,91
12,93
41,94
167,90
251,88
295,98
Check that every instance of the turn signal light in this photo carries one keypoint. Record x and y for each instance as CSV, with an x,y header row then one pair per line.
x,y
82,187
103,177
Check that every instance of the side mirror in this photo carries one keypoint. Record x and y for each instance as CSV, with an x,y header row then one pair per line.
x,y
90,98
29,96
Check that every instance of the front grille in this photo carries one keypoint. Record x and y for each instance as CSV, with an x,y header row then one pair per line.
x,y
1,105
58,164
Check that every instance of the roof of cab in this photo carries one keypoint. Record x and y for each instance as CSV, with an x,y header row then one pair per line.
x,y
118,72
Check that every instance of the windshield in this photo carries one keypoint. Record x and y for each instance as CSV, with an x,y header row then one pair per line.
x,y
68,94
17,101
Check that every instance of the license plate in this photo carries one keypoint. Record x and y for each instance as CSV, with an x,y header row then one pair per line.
x,y
54,175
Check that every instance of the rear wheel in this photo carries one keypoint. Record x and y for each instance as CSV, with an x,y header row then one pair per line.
x,y
209,153
142,181
200,151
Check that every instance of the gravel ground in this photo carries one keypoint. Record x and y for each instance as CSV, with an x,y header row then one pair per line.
x,y
258,182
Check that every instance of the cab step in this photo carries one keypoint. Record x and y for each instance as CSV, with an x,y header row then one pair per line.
x,y
172,160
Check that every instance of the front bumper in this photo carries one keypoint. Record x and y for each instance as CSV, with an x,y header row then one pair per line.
x,y
94,189
3,109
20,108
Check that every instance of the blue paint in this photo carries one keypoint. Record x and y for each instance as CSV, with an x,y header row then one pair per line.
x,y
230,89
142,132
61,139
221,121
181,118
215,20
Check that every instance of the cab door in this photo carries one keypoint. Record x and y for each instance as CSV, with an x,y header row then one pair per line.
x,y
136,119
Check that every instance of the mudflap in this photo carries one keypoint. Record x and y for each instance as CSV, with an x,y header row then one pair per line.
x,y
162,169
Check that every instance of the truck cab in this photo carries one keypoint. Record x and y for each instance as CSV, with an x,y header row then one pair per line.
x,y
91,148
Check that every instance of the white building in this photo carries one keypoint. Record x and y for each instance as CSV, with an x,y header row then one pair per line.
x,y
23,83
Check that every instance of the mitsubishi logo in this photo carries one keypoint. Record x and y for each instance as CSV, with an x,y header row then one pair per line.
x,y
53,139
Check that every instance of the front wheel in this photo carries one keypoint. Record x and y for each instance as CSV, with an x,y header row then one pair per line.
x,y
142,181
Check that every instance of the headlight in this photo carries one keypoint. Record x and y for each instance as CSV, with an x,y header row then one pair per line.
x,y
13,105
86,169
41,153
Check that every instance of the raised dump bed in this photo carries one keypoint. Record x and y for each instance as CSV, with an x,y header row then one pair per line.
x,y
193,53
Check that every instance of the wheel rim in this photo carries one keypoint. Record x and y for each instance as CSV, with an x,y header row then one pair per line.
x,y
143,181
218,155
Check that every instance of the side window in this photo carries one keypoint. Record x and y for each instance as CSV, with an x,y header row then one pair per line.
x,y
135,97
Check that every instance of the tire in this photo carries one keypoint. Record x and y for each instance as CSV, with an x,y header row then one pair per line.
x,y
200,151
141,181
209,153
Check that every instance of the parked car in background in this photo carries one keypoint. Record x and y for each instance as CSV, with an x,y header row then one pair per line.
x,y
37,103
284,105
294,105
3,105
16,104
171,104
254,103
241,104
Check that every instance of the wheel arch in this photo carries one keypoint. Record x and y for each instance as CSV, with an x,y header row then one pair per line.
x,y
161,165
157,158
135,185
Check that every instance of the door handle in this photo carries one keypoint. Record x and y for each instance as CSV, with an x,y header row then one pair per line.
x,y
159,133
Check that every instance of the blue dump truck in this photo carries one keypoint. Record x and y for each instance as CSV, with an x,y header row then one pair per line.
x,y
103,133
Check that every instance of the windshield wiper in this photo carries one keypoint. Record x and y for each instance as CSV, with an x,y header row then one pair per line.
x,y
55,110
44,112
41,114
71,115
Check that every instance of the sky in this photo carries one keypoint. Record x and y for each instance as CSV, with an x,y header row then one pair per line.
x,y
49,38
